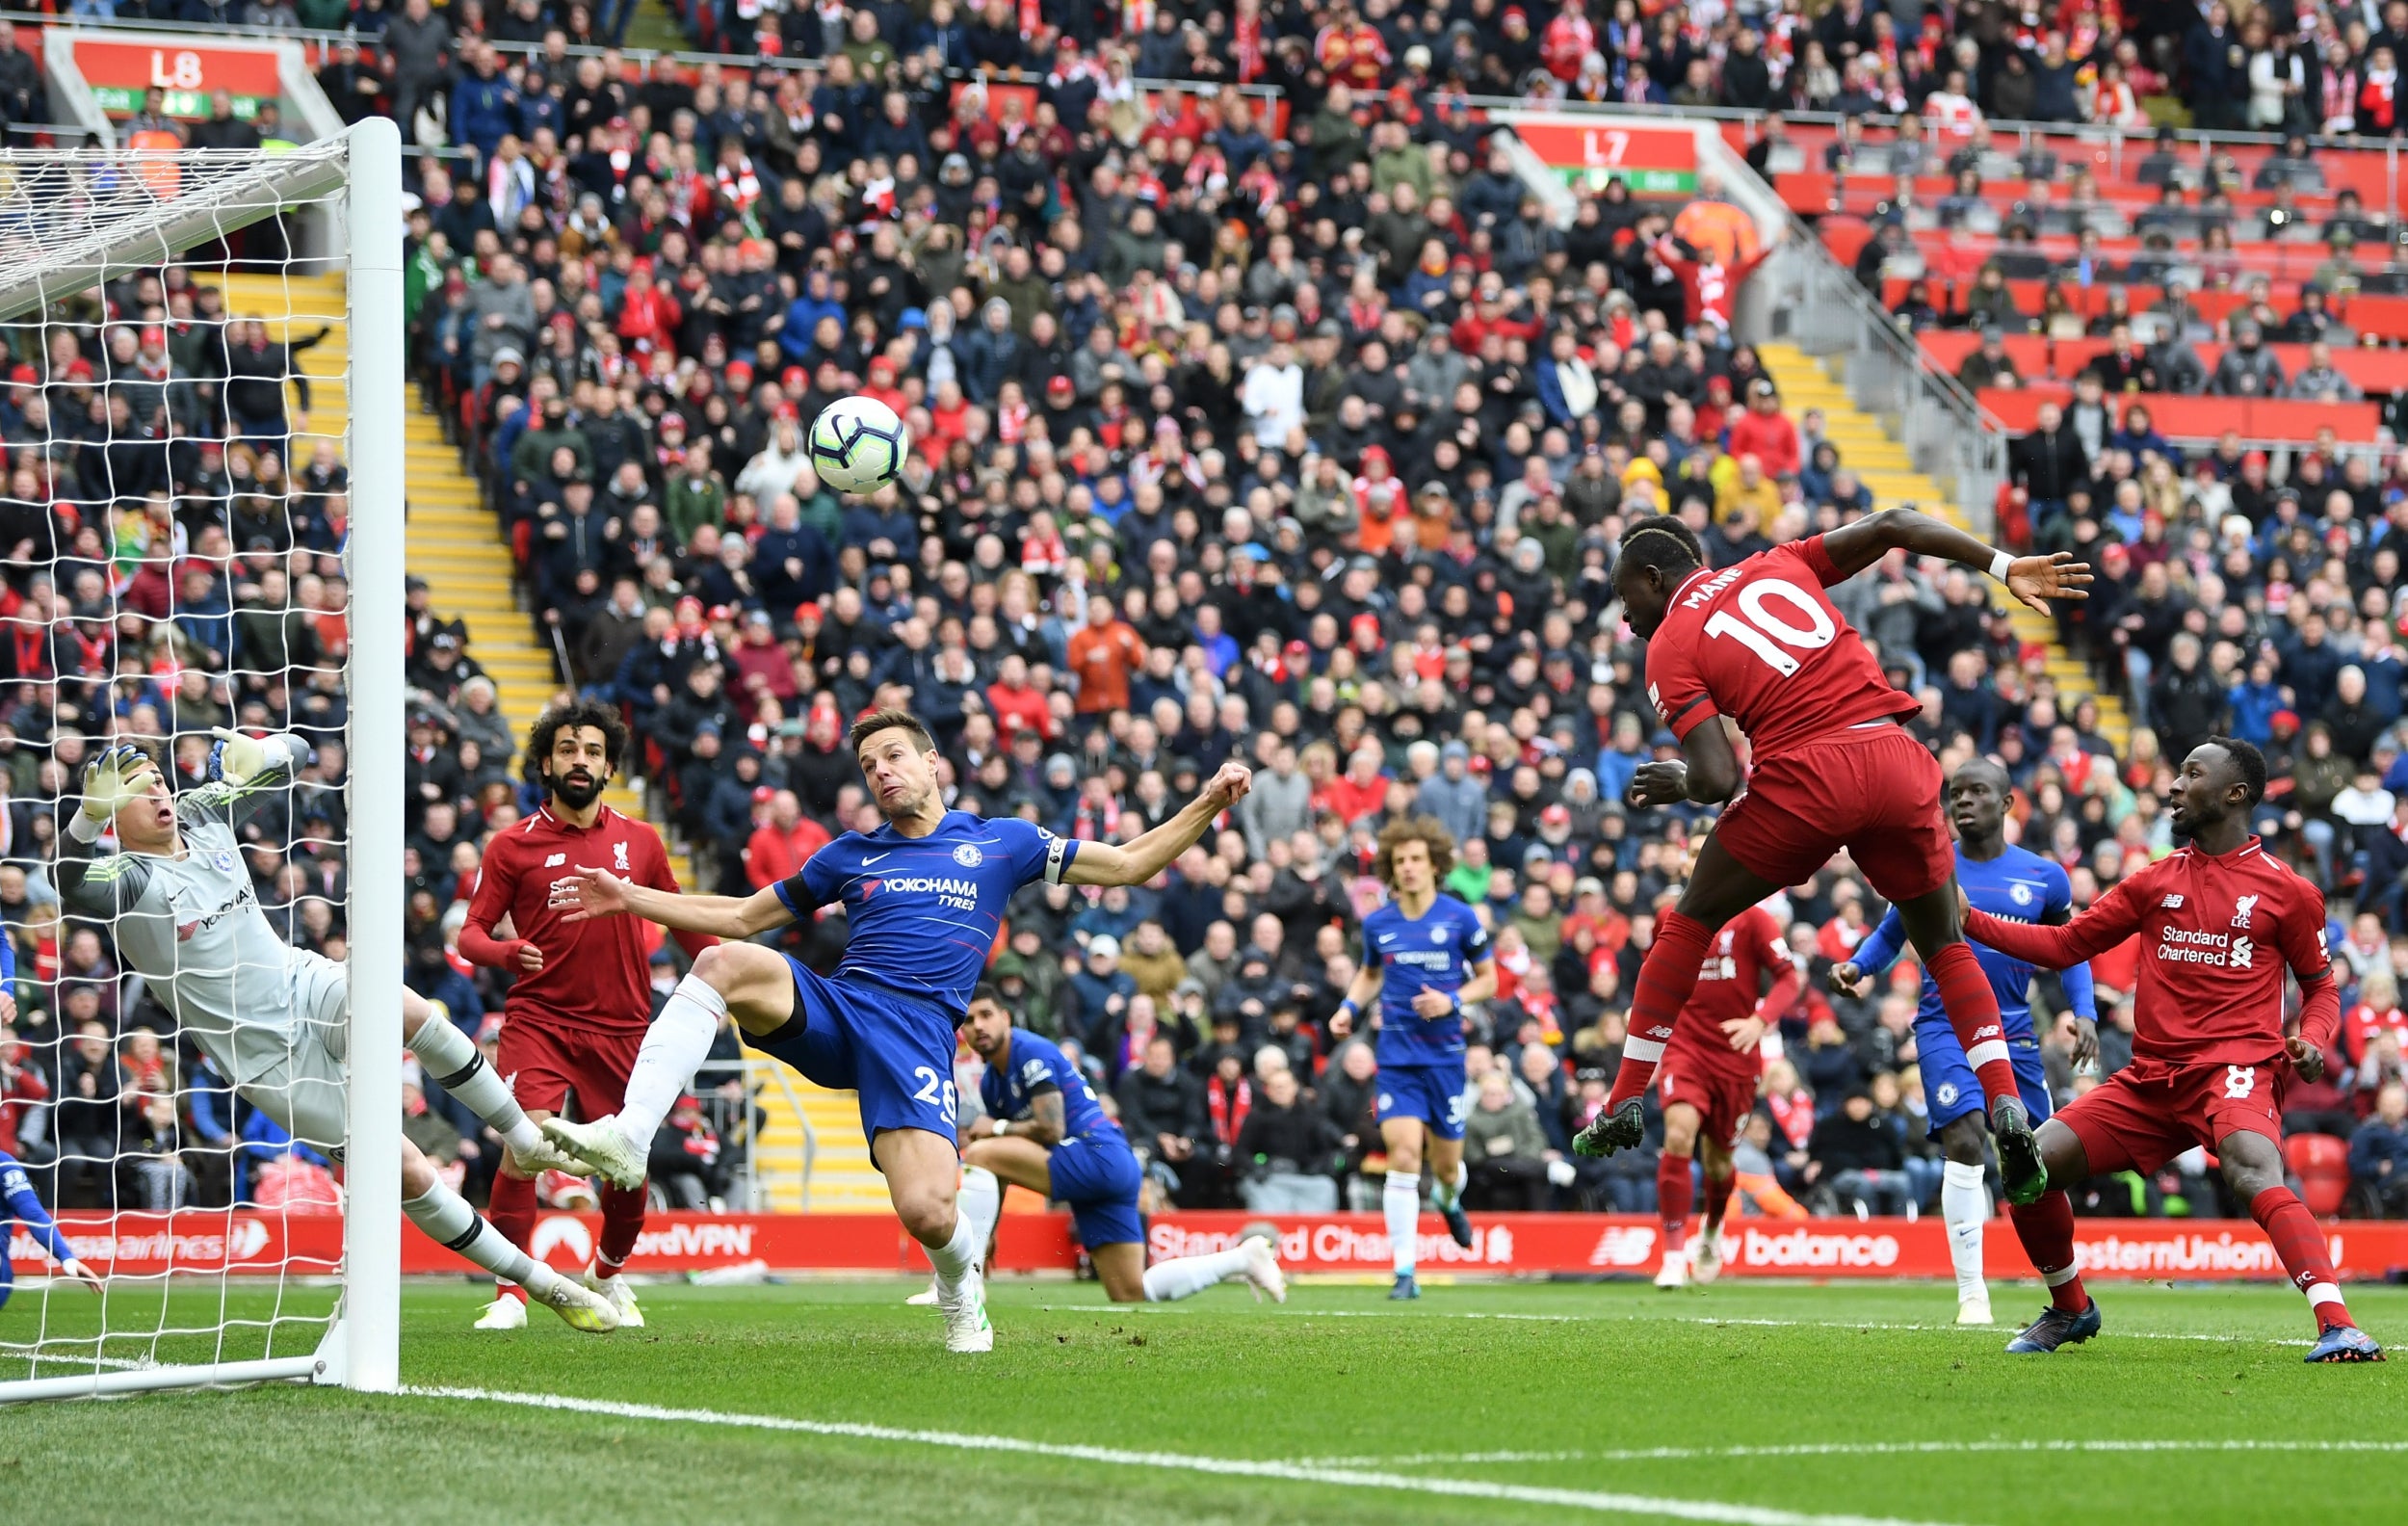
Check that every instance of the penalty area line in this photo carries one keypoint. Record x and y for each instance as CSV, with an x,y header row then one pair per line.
x,y
1813,1449
1724,1321
1597,1501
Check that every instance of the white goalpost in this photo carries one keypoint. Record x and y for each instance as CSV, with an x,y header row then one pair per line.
x,y
201,505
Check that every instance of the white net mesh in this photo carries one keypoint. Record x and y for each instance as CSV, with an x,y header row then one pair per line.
x,y
176,517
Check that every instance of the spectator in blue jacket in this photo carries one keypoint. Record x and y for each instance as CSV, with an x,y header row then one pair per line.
x,y
484,108
816,300
2378,1152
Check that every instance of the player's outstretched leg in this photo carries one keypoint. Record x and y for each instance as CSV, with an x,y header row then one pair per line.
x,y
1933,925
751,984
2046,1227
451,1060
1719,889
2253,1167
1965,1208
446,1218
1128,1280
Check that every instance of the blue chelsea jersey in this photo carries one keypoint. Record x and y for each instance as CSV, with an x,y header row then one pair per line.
x,y
1436,953
923,913
2018,885
1037,1065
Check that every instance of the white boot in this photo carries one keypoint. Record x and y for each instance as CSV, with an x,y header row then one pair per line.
x,y
1674,1272
503,1313
622,1297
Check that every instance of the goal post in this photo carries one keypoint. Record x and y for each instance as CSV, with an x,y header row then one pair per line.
x,y
206,1278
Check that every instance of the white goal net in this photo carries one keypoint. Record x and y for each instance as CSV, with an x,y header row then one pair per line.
x,y
201,524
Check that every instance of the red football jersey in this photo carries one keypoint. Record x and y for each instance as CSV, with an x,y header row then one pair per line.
x,y
1761,643
2215,936
594,974
1729,986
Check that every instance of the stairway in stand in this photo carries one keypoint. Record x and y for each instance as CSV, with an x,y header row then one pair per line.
x,y
455,547
1891,477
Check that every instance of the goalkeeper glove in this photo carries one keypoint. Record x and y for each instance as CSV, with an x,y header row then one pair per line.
x,y
235,757
119,775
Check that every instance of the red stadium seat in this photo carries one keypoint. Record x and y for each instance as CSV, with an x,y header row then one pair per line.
x,y
2321,1163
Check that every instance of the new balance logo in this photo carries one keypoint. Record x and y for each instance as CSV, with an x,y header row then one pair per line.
x,y
555,860
1660,1033
2172,902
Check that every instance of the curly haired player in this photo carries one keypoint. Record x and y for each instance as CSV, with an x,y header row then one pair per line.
x,y
581,1001
1425,956
1761,643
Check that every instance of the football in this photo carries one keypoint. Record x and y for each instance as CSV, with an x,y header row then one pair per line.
x,y
857,445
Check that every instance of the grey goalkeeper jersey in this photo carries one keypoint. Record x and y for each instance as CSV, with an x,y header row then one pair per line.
x,y
191,927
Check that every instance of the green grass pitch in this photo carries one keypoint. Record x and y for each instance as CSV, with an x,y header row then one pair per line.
x,y
1774,1404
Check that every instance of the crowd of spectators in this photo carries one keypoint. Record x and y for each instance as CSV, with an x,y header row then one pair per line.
x,y
1281,431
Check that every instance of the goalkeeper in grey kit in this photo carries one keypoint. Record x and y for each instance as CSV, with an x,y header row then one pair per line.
x,y
274,1018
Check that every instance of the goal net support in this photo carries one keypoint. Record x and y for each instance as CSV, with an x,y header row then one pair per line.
x,y
203,523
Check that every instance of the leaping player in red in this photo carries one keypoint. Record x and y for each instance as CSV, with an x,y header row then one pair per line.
x,y
2219,922
1761,643
1707,1082
577,1010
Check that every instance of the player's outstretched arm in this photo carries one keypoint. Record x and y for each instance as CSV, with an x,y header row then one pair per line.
x,y
2033,580
1142,858
2115,918
601,893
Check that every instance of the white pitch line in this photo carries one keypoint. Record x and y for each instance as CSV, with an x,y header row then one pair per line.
x,y
1611,1504
1292,1312
1670,1454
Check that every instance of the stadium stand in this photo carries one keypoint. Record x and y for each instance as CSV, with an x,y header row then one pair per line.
x,y
1280,425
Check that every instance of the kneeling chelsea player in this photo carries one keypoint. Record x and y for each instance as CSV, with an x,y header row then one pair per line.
x,y
276,1019
1044,1130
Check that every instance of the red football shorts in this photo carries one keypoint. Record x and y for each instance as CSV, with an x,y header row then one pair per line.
x,y
1722,1101
546,1064
2145,1115
1872,790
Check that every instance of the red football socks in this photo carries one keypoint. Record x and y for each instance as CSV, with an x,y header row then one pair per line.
x,y
2300,1243
622,1221
1665,980
1973,1010
1717,1198
2047,1230
1672,1198
512,1210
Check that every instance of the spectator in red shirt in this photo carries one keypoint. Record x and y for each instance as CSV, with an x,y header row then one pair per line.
x,y
1018,705
1765,432
782,843
1362,789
